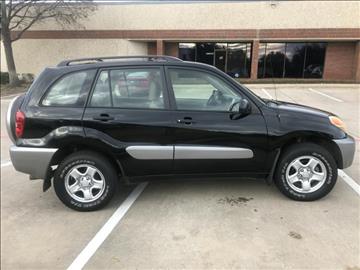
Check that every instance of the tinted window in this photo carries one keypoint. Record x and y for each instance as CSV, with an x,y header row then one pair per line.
x,y
129,88
197,90
261,61
232,58
187,51
294,60
71,90
239,60
274,63
314,61
291,60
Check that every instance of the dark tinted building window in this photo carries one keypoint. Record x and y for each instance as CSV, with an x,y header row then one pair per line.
x,y
232,58
291,60
294,60
187,51
274,61
314,60
205,53
261,61
239,60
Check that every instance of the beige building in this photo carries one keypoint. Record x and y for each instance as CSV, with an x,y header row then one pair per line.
x,y
307,40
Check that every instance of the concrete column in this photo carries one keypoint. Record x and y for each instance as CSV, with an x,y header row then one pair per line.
x,y
160,50
254,59
357,62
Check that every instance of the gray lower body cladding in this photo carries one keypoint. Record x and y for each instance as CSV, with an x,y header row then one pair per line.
x,y
347,150
32,160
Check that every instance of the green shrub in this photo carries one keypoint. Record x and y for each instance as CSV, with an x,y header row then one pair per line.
x,y
4,77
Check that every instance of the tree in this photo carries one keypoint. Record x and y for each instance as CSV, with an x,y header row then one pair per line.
x,y
17,16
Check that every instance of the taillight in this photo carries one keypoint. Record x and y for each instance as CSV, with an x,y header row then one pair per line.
x,y
19,123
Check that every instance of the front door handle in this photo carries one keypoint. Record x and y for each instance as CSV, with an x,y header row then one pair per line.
x,y
103,117
186,121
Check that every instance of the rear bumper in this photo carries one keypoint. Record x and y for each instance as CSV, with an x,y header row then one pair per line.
x,y
347,149
32,160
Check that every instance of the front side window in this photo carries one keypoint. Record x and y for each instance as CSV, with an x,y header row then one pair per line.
x,y
129,88
197,90
71,90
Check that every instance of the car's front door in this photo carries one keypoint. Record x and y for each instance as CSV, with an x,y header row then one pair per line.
x,y
129,110
207,138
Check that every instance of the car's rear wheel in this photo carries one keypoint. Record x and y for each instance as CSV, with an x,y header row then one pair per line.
x,y
85,181
306,172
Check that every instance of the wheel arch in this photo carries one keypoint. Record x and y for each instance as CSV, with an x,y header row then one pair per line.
x,y
298,138
71,148
318,139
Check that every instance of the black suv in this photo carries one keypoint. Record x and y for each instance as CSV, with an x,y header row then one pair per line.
x,y
87,123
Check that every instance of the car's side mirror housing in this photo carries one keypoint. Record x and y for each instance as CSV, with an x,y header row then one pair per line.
x,y
240,109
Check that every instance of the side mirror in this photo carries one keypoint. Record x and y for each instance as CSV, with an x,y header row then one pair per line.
x,y
240,109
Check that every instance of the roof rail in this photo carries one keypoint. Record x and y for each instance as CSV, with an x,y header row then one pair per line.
x,y
80,61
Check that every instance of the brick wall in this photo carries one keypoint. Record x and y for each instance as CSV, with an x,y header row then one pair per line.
x,y
339,61
172,49
357,62
151,48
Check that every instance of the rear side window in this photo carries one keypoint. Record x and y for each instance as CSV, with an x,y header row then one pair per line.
x,y
129,88
71,90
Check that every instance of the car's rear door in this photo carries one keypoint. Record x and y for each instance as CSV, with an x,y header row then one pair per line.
x,y
207,139
129,111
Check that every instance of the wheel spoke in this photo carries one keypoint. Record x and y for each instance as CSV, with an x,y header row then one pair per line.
x,y
297,165
317,176
74,188
97,184
87,194
294,178
90,171
312,163
305,185
75,173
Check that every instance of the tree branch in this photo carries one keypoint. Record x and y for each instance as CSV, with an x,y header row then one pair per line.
x,y
25,14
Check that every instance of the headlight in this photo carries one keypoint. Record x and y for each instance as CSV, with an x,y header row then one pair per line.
x,y
336,121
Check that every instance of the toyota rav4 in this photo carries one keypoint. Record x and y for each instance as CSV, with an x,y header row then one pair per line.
x,y
88,123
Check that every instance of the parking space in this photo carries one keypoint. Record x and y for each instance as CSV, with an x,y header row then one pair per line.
x,y
193,224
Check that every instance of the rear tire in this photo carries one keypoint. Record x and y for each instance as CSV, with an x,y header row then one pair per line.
x,y
306,172
85,181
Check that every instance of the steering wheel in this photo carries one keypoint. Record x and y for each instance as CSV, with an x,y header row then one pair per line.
x,y
216,98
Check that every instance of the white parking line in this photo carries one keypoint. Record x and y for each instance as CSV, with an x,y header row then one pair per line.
x,y
104,232
6,163
325,95
351,182
267,93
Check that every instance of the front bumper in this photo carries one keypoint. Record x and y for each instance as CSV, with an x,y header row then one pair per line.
x,y
32,160
347,150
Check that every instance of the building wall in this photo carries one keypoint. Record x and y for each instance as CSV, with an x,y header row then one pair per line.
x,y
340,61
33,55
228,15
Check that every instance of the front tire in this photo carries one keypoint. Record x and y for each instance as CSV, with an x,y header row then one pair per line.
x,y
85,181
306,172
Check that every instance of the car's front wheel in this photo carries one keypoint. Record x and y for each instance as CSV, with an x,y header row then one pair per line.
x,y
85,181
306,172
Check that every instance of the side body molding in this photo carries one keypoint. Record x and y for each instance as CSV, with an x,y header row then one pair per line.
x,y
153,152
212,152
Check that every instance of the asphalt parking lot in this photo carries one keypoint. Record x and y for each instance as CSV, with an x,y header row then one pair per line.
x,y
194,224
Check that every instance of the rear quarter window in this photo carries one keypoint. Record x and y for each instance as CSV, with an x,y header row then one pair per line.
x,y
70,91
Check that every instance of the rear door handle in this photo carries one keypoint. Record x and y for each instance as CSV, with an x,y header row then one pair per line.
x,y
103,117
186,121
